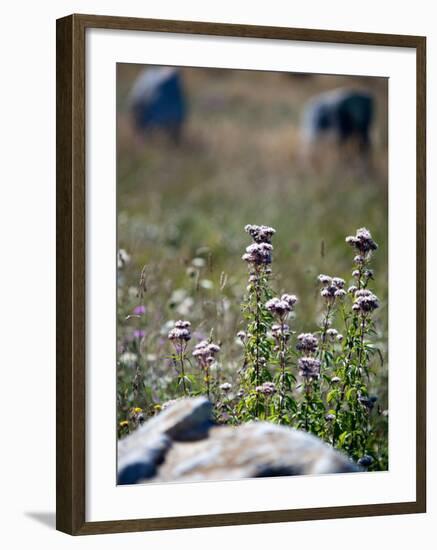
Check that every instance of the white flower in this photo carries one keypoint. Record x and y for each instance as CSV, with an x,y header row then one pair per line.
x,y
128,358
123,258
198,262
207,284
185,307
178,295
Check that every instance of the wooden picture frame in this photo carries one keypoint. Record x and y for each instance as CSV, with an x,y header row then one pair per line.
x,y
71,254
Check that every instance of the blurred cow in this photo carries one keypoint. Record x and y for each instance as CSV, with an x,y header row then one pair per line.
x,y
344,115
157,102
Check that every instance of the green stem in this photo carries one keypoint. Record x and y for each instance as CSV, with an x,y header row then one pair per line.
x,y
181,359
282,361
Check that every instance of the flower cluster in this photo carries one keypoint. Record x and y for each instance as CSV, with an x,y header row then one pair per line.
x,y
307,343
268,388
260,233
309,368
258,254
123,258
320,383
181,332
362,242
280,332
334,335
358,273
137,416
332,288
365,302
205,353
282,306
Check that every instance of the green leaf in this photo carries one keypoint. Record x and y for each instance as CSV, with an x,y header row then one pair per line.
x,y
331,395
351,394
343,438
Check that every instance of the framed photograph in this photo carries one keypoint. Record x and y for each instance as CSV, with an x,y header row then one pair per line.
x,y
240,274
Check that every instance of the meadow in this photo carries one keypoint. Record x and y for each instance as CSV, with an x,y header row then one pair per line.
x,y
182,211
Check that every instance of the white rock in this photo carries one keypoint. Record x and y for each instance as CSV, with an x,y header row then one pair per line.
x,y
181,444
258,449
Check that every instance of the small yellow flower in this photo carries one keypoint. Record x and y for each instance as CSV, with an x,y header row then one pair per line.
x,y
137,410
124,424
157,407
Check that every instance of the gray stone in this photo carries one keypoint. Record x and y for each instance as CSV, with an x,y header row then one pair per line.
x,y
140,453
141,463
257,449
181,444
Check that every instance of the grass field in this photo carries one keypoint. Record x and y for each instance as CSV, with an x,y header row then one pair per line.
x,y
182,211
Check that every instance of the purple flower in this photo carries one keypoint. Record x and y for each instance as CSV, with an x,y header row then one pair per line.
x,y
362,241
280,331
139,334
281,306
258,254
268,388
260,233
205,352
365,302
139,310
307,342
181,332
332,288
309,367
